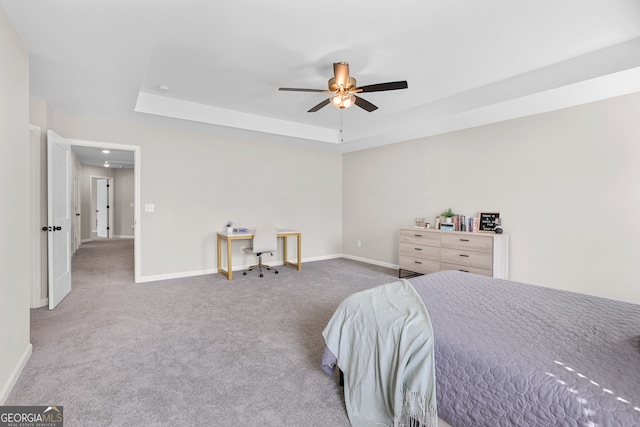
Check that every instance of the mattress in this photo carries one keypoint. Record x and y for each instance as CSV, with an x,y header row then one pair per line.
x,y
513,354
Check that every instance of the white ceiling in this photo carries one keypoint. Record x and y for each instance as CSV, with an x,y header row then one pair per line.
x,y
94,156
467,62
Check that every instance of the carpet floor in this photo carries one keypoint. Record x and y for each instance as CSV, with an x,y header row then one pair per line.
x,y
193,351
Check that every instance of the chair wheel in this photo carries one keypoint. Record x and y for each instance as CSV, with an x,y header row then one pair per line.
x,y
244,274
276,272
261,275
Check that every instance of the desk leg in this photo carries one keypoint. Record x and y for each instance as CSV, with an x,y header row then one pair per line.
x,y
219,255
220,269
299,251
229,265
285,251
298,264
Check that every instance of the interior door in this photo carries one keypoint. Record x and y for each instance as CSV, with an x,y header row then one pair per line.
x,y
102,207
59,217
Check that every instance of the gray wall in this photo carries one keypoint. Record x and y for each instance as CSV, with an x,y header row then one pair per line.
x,y
124,197
566,183
199,182
16,234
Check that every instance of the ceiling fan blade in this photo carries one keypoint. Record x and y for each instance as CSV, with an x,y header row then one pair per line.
x,y
379,87
364,104
341,73
319,106
295,89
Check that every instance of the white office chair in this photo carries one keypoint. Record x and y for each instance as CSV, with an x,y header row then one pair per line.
x,y
265,240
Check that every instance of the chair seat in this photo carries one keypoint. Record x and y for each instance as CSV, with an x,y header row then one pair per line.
x,y
251,251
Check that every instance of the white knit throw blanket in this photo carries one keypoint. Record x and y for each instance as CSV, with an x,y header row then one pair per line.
x,y
383,342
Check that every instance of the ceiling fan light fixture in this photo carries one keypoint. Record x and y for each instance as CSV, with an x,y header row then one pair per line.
x,y
343,101
343,88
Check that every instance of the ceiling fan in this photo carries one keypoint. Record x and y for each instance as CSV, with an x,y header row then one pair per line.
x,y
344,89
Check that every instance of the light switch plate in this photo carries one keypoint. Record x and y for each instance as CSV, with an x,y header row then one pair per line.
x,y
149,207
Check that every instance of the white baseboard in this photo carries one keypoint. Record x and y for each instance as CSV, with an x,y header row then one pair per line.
x,y
322,258
15,374
157,277
371,261
123,236
41,303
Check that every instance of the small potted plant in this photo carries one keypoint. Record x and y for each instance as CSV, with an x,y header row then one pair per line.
x,y
448,216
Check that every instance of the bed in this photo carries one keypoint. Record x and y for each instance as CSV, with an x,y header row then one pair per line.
x,y
513,354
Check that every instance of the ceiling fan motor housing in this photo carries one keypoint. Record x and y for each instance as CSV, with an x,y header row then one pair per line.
x,y
334,86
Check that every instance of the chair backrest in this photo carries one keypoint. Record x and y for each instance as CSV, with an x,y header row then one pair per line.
x,y
265,239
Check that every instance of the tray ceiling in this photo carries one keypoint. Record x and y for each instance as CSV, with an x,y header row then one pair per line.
x,y
468,63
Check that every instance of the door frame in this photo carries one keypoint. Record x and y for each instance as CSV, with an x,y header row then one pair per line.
x,y
39,278
136,194
77,203
110,200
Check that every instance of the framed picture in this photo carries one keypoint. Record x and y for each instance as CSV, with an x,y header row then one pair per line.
x,y
488,221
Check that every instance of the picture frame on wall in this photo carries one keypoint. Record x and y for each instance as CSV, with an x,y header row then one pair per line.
x,y
487,221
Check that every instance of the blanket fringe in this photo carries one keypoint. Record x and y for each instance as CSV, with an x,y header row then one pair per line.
x,y
416,411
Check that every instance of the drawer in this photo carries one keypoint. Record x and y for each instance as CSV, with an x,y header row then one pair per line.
x,y
467,258
419,251
419,265
469,243
419,237
465,268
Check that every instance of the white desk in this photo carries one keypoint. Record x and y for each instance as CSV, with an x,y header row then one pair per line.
x,y
285,233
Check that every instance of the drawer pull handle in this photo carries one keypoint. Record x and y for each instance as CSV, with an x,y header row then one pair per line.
x,y
464,240
418,249
417,262
463,255
465,271
417,235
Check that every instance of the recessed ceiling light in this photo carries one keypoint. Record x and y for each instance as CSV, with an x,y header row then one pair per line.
x,y
163,88
106,151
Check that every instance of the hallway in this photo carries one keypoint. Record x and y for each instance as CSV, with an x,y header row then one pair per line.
x,y
112,259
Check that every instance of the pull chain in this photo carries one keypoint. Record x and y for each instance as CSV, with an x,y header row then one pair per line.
x,y
341,123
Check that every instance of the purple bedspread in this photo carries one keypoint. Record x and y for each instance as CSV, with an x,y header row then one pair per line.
x,y
512,354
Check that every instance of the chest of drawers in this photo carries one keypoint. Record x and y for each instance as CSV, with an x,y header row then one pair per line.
x,y
426,251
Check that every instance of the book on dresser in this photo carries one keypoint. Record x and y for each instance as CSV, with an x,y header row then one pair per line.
x,y
430,250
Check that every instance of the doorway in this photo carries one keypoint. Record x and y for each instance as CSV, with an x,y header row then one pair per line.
x,y
110,161
74,199
103,205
